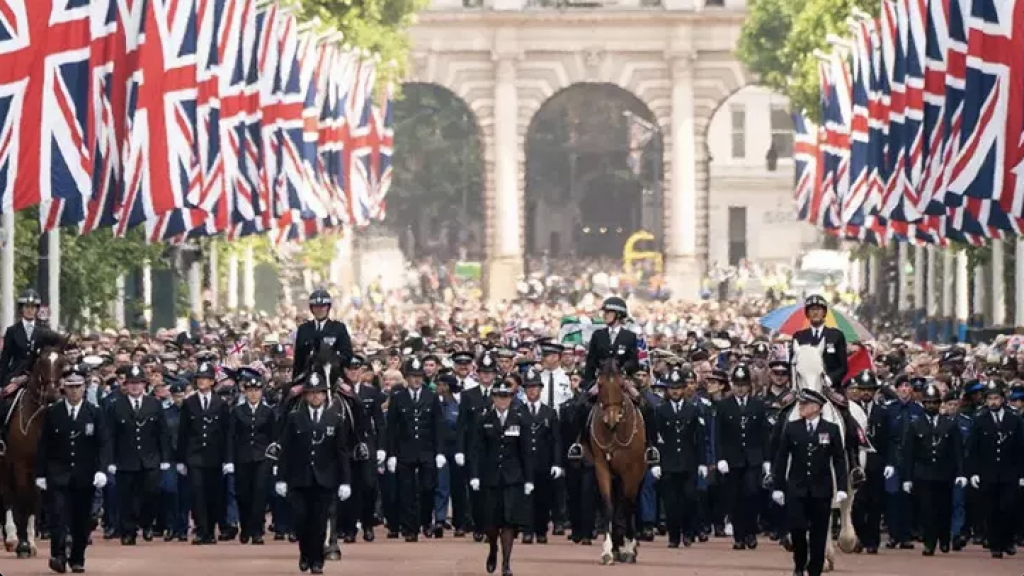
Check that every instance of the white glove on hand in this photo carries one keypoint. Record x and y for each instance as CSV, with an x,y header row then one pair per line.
x,y
164,466
344,491
975,481
656,472
99,480
228,468
556,472
474,484
440,460
381,456
1021,482
779,497
766,468
41,483
888,472
528,488
908,487
392,464
723,466
111,469
281,488
961,481
702,471
460,459
841,497
182,469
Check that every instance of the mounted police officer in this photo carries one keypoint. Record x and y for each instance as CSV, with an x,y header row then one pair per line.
x,y
830,339
320,329
19,341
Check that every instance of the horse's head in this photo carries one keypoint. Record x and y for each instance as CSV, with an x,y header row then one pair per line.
x,y
47,369
809,367
324,359
610,393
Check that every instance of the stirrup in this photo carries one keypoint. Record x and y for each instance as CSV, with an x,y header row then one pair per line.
x,y
575,452
652,456
3,448
362,452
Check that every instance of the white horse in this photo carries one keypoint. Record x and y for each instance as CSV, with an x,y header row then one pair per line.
x,y
809,372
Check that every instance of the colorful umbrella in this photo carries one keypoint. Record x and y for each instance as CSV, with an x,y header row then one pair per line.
x,y
791,319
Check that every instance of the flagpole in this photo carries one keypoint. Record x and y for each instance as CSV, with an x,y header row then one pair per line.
x,y
7,270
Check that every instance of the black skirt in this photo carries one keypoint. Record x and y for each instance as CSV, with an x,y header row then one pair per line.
x,y
504,507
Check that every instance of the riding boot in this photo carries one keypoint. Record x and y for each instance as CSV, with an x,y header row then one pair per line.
x,y
579,424
5,405
651,455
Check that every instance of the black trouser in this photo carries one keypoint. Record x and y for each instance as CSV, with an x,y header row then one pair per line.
x,y
311,506
679,490
251,489
867,510
559,512
540,502
137,492
458,486
742,486
581,487
1000,501
808,515
935,501
364,482
416,483
70,515
207,487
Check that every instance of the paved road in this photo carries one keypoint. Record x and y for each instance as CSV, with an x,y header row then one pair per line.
x,y
450,557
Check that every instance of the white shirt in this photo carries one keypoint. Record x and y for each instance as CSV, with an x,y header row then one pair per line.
x,y
136,403
535,408
997,415
415,394
613,333
73,410
677,405
501,416
314,414
254,408
814,424
556,386
320,324
741,400
29,327
204,400
816,331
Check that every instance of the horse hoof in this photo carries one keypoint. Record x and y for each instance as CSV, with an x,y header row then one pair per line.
x,y
607,559
629,558
829,566
333,556
9,547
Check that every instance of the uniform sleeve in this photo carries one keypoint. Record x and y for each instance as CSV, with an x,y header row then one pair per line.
x,y
229,433
556,434
299,357
392,426
344,459
184,424
839,373
700,439
378,420
284,460
524,455
440,426
590,367
906,461
43,447
475,439
163,436
105,453
109,430
839,466
5,357
781,463
958,451
344,344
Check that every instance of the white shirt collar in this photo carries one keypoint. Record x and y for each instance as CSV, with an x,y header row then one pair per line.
x,y
814,422
312,411
74,406
28,323
254,407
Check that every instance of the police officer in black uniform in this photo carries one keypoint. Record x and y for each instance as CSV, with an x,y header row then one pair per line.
x,y
18,344
320,329
364,481
313,469
473,403
546,455
810,461
69,468
203,448
831,340
251,428
869,502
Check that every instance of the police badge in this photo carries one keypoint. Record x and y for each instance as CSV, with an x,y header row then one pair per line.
x,y
89,430
330,431
330,340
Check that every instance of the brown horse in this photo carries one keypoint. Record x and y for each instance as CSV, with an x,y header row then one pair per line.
x,y
17,468
616,445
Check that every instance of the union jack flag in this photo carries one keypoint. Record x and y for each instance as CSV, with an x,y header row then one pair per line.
x,y
382,149
805,159
357,141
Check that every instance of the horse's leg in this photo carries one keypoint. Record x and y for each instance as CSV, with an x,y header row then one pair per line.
x,y
847,533
630,495
30,530
830,555
11,529
604,484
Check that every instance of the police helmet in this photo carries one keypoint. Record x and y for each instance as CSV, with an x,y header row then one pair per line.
x,y
320,297
815,300
29,297
617,305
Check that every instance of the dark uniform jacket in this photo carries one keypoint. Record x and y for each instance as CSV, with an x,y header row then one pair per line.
x,y
373,401
203,439
15,351
624,350
878,435
473,403
308,338
742,435
996,452
545,437
682,437
416,432
250,433
500,455
314,455
139,441
932,453
71,452
833,352
810,460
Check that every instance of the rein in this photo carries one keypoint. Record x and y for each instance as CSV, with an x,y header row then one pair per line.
x,y
614,443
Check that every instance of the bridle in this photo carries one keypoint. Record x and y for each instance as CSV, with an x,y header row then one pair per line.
x,y
41,382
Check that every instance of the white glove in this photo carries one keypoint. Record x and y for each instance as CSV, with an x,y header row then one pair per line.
x,y
41,483
841,497
111,469
381,456
228,468
528,488
656,472
702,471
164,466
779,497
908,487
766,468
888,472
474,484
723,466
1021,482
961,481
392,464
99,480
182,469
440,460
975,481
344,491
281,488
556,472
460,459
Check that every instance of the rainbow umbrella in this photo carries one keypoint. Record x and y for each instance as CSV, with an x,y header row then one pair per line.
x,y
791,319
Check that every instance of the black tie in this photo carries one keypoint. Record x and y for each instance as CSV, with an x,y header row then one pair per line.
x,y
810,427
534,410
316,416
137,405
415,396
206,403
551,389
74,412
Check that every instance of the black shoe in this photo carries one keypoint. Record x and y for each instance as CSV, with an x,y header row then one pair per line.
x,y
438,531
368,535
928,551
702,537
558,530
719,532
492,560
168,537
646,535
798,573
787,544
871,550
279,536
109,534
527,538
257,540
349,539
1011,550
687,541
478,536
147,534
412,538
58,565
542,538
392,534
316,569
906,545
944,547
752,543
575,452
891,544
458,533
293,538
182,537
243,538
77,568
198,540
303,565
673,543
506,570
997,555
126,541
739,546
585,542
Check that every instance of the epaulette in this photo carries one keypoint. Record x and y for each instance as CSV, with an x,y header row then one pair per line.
x,y
705,401
888,403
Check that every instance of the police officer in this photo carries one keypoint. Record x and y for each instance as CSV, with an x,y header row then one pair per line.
x,y
870,499
250,429
69,468
415,444
472,404
14,355
174,494
901,413
996,464
831,340
365,483
546,456
320,329
137,433
810,461
932,461
682,435
743,435
313,467
203,448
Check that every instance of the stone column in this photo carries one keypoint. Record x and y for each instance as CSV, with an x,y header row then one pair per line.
x,y
948,293
919,268
903,290
214,263
963,304
147,293
232,299
682,270
7,308
978,282
505,261
931,297
998,283
248,278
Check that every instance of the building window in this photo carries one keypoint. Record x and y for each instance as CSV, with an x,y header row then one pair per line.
x,y
714,4
782,131
739,131
737,234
